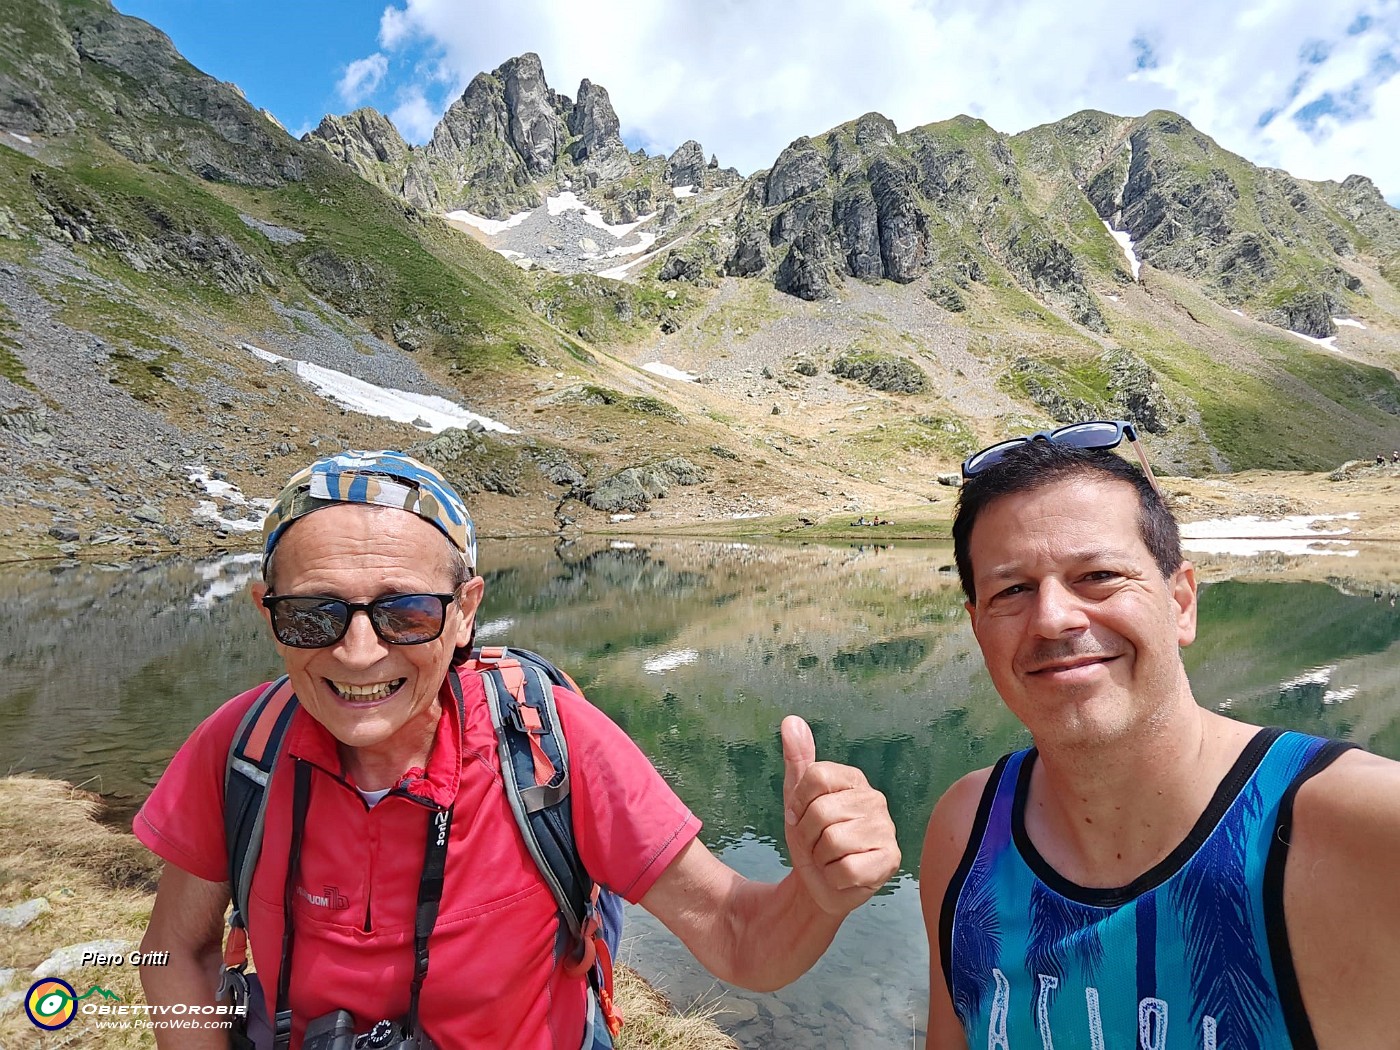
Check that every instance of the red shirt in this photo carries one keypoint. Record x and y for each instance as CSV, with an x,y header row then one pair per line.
x,y
492,979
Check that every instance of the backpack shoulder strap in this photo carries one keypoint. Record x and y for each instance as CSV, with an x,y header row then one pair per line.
x,y
252,758
535,768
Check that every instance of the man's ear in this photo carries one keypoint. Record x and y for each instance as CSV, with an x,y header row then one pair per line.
x,y
257,590
1183,591
469,597
971,608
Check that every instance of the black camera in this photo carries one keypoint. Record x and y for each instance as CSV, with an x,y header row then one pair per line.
x,y
336,1031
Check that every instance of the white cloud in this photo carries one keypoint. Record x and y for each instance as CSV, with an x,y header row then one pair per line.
x,y
362,77
746,78
415,116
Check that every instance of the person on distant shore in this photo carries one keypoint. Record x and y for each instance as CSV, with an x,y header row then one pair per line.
x,y
392,737
1150,874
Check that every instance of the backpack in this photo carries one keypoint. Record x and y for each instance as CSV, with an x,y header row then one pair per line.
x,y
535,771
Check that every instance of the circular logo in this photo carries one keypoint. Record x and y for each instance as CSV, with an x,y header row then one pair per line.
x,y
51,1004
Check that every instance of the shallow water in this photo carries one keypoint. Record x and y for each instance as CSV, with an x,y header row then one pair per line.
x,y
697,649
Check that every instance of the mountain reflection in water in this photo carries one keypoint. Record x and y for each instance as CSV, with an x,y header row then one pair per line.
x,y
697,649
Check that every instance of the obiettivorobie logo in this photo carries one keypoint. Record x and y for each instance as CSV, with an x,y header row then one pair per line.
x,y
52,1004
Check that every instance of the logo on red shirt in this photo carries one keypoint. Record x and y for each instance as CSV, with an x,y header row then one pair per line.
x,y
331,898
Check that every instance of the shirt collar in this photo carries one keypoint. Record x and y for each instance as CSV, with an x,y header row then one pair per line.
x,y
436,783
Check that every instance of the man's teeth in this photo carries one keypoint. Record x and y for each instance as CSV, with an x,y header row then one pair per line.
x,y
367,692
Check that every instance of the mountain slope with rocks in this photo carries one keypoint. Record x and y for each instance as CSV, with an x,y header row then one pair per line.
x,y
193,303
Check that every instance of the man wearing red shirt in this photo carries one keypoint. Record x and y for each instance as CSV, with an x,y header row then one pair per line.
x,y
384,743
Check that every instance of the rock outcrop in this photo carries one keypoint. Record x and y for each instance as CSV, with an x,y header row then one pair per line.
x,y
864,201
1249,235
595,125
686,166
368,142
881,371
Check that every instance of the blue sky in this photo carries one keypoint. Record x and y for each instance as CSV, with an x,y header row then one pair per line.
x,y
1312,88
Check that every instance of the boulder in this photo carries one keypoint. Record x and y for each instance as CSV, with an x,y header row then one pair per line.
x,y
633,489
1308,312
69,959
18,916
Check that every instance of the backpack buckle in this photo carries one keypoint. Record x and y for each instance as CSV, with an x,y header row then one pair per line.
x,y
589,936
232,980
525,718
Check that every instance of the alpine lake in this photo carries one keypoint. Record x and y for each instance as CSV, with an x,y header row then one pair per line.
x,y
698,649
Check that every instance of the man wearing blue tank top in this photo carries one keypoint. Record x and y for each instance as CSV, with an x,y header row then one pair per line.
x,y
1150,875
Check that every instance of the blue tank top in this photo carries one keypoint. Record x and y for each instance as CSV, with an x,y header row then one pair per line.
x,y
1192,955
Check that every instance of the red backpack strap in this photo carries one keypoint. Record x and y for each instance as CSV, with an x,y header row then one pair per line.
x,y
526,715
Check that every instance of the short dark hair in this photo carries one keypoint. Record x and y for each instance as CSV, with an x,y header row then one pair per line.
x,y
1036,464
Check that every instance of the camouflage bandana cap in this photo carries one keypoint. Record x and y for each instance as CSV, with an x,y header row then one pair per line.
x,y
383,479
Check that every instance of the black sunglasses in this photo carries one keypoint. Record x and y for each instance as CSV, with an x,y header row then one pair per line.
x,y
314,622
1092,435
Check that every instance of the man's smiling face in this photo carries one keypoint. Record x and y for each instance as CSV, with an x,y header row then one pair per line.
x,y
369,694
1078,628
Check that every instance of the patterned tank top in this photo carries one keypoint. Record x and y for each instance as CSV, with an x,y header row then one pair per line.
x,y
1192,955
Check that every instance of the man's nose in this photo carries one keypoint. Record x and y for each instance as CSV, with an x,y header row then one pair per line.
x,y
1058,610
360,644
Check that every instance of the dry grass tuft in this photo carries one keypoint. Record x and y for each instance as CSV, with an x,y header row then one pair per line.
x,y
651,1023
98,884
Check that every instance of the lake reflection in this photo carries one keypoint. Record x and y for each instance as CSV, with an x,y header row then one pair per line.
x,y
697,649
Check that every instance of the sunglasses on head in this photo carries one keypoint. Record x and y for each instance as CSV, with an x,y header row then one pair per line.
x,y
314,622
1091,435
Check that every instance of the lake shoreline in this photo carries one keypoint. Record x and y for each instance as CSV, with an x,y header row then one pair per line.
x,y
1364,494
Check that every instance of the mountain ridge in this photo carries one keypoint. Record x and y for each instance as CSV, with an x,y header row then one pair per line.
x,y
859,315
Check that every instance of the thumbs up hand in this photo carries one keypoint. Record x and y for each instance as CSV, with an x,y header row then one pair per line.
x,y
839,832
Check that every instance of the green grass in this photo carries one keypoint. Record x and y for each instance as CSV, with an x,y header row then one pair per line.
x,y
11,367
590,394
1074,379
466,304
600,310
1365,389
941,437
1249,419
142,355
751,305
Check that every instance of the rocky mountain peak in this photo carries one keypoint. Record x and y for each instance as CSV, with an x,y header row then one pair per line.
x,y
595,122
66,62
537,124
687,165
875,129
